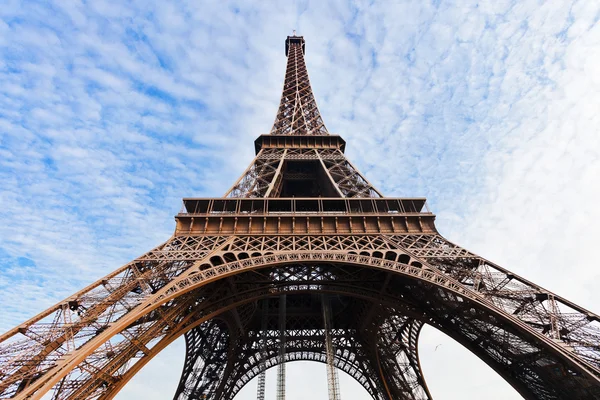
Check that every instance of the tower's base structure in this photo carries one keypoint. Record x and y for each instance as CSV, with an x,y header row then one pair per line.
x,y
303,259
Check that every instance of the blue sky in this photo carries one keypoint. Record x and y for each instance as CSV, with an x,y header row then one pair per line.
x,y
111,112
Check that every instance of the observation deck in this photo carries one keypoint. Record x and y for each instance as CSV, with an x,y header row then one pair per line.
x,y
299,142
335,215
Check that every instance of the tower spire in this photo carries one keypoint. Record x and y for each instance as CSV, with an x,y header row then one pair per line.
x,y
298,113
300,158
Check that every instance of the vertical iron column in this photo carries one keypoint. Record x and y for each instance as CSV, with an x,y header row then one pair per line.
x,y
281,366
333,384
263,368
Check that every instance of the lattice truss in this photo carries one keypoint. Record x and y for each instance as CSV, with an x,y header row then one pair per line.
x,y
355,351
92,343
264,175
298,113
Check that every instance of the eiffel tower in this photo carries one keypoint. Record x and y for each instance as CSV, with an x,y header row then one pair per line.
x,y
302,259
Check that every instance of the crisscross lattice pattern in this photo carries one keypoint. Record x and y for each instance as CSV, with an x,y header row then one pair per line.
x,y
298,113
264,175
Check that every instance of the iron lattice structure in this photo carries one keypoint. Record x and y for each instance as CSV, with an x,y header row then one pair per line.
x,y
245,278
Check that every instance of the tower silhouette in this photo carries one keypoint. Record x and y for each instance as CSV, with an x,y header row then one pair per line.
x,y
302,259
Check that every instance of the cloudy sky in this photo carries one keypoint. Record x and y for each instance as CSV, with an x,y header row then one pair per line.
x,y
111,112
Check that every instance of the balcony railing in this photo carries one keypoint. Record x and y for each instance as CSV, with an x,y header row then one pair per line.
x,y
296,205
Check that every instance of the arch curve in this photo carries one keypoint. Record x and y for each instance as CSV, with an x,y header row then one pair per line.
x,y
438,288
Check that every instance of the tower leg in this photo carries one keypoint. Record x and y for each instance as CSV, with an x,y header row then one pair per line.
x,y
205,364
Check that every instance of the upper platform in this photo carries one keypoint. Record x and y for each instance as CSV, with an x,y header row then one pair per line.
x,y
299,142
298,40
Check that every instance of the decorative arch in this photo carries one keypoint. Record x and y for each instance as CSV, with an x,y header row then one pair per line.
x,y
201,293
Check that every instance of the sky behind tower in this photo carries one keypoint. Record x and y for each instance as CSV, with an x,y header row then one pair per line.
x,y
111,112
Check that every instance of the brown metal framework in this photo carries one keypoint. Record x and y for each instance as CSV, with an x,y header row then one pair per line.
x,y
298,113
303,225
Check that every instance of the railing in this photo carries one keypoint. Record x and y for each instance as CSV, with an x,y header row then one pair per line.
x,y
296,205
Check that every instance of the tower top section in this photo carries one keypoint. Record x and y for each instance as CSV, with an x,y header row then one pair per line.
x,y
298,113
297,40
